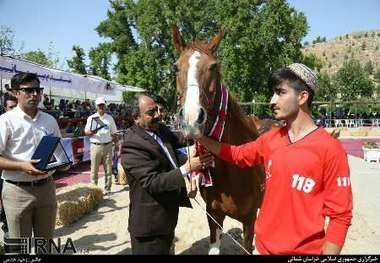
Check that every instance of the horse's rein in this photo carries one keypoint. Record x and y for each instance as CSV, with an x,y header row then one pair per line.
x,y
214,133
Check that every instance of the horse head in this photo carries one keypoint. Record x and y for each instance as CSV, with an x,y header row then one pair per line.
x,y
197,82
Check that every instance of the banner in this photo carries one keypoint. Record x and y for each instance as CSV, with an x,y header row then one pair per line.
x,y
65,84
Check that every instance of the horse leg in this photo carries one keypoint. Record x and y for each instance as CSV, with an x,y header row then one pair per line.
x,y
248,229
215,231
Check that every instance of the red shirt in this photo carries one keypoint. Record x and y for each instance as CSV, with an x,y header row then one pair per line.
x,y
305,182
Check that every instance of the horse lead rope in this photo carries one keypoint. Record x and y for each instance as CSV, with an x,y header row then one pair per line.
x,y
233,239
217,132
209,215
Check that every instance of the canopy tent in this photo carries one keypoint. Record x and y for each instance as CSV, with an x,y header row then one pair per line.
x,y
65,84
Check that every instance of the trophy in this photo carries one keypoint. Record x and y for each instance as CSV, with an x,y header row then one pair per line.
x,y
51,153
96,124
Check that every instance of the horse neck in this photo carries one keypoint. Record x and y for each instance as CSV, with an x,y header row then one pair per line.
x,y
237,129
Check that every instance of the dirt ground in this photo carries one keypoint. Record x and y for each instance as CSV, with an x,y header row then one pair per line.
x,y
104,231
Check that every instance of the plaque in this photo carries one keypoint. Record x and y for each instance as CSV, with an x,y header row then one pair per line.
x,y
96,124
51,154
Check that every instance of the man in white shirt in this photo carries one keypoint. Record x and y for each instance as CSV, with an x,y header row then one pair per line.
x,y
29,195
10,102
101,144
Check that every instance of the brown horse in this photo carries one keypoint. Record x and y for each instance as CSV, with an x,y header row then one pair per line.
x,y
235,192
263,125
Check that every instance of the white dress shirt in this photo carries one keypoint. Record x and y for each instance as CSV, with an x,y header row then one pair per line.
x,y
104,135
160,142
19,137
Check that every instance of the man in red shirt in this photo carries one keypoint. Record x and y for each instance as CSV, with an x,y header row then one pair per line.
x,y
307,173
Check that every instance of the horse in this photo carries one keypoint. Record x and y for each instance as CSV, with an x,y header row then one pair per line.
x,y
264,125
235,192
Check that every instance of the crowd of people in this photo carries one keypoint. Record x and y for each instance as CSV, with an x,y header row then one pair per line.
x,y
304,193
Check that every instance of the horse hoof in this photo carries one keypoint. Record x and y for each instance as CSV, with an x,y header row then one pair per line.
x,y
214,251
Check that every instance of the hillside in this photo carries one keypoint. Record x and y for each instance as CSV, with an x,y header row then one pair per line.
x,y
363,46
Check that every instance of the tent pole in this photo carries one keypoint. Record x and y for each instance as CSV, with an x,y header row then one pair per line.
x,y
1,91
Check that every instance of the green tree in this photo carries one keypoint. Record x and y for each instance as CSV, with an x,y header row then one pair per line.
x,y
261,36
49,59
313,62
326,91
100,60
377,75
6,41
37,56
368,67
76,64
353,81
319,40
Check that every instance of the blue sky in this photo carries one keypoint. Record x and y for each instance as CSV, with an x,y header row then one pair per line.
x,y
69,22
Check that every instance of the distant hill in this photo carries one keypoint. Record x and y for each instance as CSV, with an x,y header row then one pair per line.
x,y
363,46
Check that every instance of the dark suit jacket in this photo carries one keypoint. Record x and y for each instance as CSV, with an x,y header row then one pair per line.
x,y
156,189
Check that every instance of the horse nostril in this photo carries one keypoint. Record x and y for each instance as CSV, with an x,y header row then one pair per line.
x,y
201,117
180,113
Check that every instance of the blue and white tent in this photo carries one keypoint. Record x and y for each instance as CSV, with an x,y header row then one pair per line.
x,y
65,84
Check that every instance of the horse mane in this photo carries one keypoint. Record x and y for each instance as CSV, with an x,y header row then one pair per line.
x,y
242,118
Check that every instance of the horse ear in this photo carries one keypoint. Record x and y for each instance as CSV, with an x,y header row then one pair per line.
x,y
214,43
178,41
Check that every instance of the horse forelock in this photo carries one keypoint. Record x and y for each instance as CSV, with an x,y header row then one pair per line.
x,y
201,47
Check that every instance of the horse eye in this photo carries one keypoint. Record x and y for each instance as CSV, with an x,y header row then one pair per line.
x,y
175,68
212,66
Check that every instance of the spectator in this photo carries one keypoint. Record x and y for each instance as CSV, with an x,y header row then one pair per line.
x,y
10,102
29,195
101,144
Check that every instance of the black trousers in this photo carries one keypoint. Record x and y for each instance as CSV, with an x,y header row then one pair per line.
x,y
152,245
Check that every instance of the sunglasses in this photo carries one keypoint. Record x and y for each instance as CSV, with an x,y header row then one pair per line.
x,y
37,90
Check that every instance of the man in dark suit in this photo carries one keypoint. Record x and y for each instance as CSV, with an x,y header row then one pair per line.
x,y
157,183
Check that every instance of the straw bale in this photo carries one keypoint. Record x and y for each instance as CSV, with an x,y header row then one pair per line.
x,y
122,174
375,131
361,131
76,201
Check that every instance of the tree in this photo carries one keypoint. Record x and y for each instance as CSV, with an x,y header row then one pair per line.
x,y
319,40
6,41
37,56
261,36
368,67
326,91
49,59
76,64
377,75
100,59
353,81
313,62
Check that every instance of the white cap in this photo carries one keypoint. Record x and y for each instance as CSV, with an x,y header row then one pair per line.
x,y
100,100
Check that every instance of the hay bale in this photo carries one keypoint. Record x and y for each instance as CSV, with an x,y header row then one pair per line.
x,y
121,174
374,131
361,131
76,201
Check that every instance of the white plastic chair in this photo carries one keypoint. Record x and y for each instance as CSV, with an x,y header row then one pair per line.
x,y
352,123
338,123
